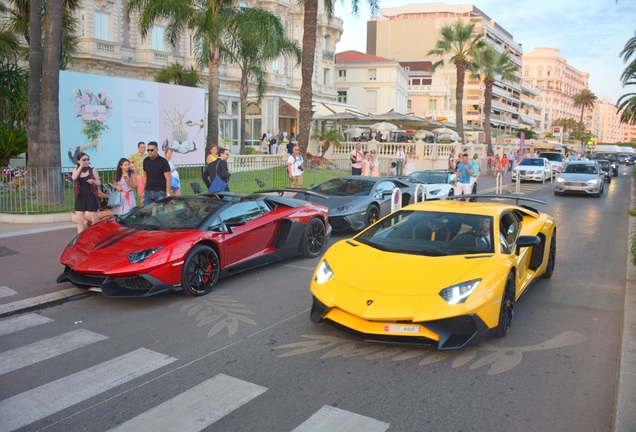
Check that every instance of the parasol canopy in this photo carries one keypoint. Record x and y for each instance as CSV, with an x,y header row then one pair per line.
x,y
383,127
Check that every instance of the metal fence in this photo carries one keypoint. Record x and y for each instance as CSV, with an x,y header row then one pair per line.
x,y
29,191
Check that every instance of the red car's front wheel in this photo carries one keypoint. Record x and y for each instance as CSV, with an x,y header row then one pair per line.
x,y
200,270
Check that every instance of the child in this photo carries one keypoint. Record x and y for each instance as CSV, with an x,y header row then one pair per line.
x,y
393,168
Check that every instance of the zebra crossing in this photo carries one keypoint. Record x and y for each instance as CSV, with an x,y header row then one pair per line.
x,y
192,410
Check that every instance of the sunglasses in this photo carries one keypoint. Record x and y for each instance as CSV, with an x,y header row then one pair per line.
x,y
85,159
152,150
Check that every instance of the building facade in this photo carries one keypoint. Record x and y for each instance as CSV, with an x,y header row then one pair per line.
x,y
606,125
558,82
391,35
373,84
111,45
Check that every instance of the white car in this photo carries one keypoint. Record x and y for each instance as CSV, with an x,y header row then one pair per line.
x,y
557,160
580,177
531,168
440,184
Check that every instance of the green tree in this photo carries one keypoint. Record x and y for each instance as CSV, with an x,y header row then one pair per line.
x,y
457,42
627,103
310,28
206,19
254,37
176,73
528,133
585,100
567,124
487,65
327,137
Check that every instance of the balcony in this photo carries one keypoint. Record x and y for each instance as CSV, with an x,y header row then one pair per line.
x,y
433,90
99,48
327,55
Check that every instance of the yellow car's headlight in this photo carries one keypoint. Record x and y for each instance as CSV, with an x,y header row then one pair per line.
x,y
324,273
458,293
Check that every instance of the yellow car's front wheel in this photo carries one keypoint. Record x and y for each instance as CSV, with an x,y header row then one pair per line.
x,y
507,307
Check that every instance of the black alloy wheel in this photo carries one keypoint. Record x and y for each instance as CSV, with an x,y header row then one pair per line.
x,y
314,239
549,270
372,215
200,270
507,312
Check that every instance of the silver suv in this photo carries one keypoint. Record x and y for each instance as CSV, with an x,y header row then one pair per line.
x,y
556,159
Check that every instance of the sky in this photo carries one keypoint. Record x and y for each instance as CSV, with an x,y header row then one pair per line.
x,y
590,34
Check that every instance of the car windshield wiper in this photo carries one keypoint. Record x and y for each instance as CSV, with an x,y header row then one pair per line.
x,y
433,252
121,221
151,227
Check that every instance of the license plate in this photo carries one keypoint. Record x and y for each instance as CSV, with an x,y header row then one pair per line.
x,y
401,329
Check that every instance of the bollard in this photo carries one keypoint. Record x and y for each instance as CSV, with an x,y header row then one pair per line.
x,y
396,200
419,189
498,183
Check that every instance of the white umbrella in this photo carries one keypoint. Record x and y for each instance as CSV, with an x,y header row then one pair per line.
x,y
422,134
384,127
354,130
444,131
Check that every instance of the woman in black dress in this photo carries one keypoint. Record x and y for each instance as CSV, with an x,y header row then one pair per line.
x,y
85,188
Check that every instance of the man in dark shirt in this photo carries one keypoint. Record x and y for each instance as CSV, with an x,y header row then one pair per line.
x,y
156,175
211,170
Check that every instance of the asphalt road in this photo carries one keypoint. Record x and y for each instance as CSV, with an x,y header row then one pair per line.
x,y
246,357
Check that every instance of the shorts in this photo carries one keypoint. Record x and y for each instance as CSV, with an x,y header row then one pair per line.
x,y
464,188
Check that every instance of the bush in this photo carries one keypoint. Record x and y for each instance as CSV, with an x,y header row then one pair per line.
x,y
12,143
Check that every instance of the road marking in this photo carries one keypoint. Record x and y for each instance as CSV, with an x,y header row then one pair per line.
x,y
36,352
333,419
196,408
38,403
22,322
38,230
5,291
299,267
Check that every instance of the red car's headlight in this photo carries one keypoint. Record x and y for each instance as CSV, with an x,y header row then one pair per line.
x,y
140,256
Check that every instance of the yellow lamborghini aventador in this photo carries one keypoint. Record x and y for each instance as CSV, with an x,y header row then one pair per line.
x,y
440,273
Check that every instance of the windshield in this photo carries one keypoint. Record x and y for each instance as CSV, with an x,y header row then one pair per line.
x,y
555,157
430,233
532,162
346,187
175,213
431,177
580,169
604,164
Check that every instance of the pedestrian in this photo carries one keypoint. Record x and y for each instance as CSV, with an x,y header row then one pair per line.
x,y
462,176
504,164
393,170
497,166
218,168
156,176
295,168
125,184
175,182
85,189
399,156
290,147
410,164
136,163
213,155
451,161
476,168
489,161
375,164
366,164
356,157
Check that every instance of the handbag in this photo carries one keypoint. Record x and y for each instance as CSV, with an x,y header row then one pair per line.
x,y
174,183
114,199
218,185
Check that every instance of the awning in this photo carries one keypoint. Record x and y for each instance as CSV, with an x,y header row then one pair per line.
x,y
527,120
319,108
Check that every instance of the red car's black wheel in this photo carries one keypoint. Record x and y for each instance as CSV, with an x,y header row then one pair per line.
x,y
507,311
314,238
200,270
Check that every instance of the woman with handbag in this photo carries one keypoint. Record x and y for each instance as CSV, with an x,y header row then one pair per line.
x,y
216,176
175,183
85,185
125,184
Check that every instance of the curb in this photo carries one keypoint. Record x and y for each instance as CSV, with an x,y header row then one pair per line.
x,y
36,218
34,302
625,416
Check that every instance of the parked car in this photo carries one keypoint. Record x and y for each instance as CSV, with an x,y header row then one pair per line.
x,y
355,202
557,160
622,158
606,168
440,184
531,168
440,273
187,243
581,177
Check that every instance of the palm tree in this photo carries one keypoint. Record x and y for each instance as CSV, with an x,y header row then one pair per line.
x,y
457,41
175,73
568,124
310,26
206,18
254,37
326,137
627,103
488,65
584,100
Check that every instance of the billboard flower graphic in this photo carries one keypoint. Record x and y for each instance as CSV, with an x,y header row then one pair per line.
x,y
93,108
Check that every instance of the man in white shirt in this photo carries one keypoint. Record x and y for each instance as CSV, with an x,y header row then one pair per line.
x,y
295,168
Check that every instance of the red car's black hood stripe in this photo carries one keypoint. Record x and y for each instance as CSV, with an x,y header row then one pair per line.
x,y
117,238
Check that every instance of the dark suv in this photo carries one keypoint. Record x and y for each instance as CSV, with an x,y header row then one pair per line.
x,y
606,168
611,157
622,158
